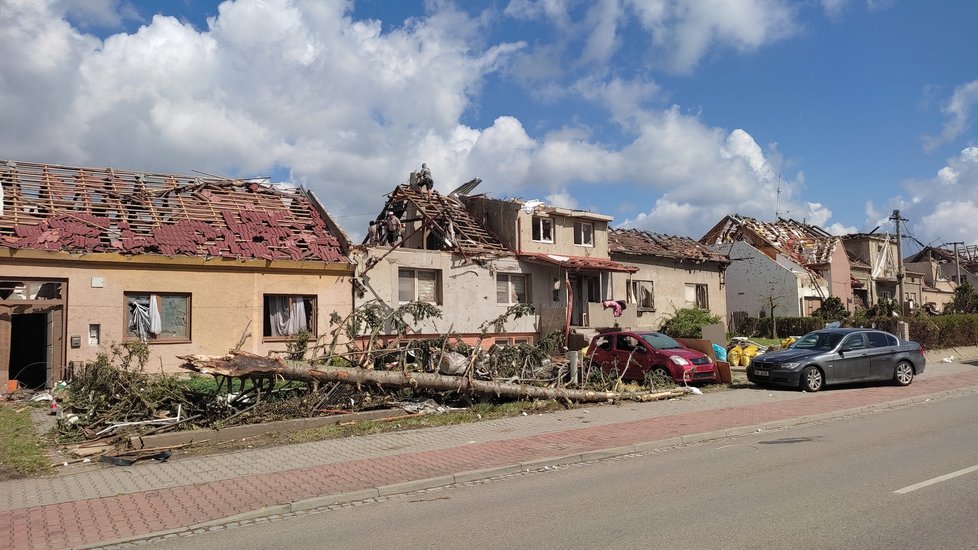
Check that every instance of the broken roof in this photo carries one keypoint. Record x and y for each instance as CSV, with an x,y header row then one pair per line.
x,y
84,210
645,243
805,244
577,263
449,218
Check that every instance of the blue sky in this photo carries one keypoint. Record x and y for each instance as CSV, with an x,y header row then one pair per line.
x,y
666,114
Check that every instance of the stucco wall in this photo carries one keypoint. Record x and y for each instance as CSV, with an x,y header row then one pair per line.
x,y
468,290
226,299
669,279
753,279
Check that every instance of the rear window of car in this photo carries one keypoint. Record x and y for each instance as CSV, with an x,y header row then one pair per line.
x,y
881,339
660,341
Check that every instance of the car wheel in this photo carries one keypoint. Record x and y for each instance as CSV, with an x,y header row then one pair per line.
x,y
904,374
662,372
812,379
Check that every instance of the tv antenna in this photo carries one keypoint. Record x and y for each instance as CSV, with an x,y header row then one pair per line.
x,y
777,207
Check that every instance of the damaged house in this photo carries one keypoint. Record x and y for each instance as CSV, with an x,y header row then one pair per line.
x,y
90,257
440,254
673,273
875,260
564,259
943,270
783,268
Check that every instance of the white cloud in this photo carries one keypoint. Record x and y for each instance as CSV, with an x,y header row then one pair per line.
x,y
958,112
562,199
349,109
686,30
947,207
107,14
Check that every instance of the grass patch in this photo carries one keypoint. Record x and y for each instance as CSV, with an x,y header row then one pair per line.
x,y
475,413
21,450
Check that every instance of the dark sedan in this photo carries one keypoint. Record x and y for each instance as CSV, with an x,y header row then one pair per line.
x,y
837,356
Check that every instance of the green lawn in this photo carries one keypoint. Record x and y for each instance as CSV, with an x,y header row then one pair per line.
x,y
21,449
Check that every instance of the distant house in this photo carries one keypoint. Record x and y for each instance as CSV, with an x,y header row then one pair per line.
x,y
443,255
875,261
90,257
942,270
564,254
672,273
783,268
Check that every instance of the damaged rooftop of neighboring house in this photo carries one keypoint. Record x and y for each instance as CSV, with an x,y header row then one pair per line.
x,y
86,210
805,244
646,243
442,222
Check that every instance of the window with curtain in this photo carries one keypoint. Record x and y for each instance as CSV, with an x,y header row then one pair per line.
x,y
418,285
640,294
511,289
159,317
286,315
696,296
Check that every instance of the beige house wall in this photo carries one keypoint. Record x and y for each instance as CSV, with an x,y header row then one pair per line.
x,y
669,281
226,298
467,291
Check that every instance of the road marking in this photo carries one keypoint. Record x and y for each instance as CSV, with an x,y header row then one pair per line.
x,y
935,480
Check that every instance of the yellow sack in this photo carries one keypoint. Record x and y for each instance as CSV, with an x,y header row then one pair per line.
x,y
734,356
787,342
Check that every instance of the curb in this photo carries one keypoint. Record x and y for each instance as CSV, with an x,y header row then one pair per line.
x,y
535,465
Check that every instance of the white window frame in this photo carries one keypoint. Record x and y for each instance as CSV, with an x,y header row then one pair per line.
x,y
510,290
634,294
415,297
539,224
579,234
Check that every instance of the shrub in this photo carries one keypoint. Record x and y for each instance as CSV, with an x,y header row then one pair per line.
x,y
688,323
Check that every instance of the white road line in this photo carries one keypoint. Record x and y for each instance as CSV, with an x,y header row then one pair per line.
x,y
935,480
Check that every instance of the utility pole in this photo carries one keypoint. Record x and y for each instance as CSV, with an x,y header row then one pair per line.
x,y
900,270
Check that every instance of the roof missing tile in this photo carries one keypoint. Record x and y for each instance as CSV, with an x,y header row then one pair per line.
x,y
645,243
85,210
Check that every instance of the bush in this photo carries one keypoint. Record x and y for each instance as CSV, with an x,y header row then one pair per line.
x,y
688,323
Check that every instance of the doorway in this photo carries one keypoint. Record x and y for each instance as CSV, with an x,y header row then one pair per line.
x,y
29,349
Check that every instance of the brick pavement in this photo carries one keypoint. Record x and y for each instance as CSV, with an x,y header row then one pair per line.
x,y
114,504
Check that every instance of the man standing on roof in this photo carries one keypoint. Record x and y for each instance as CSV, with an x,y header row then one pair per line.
x,y
393,226
425,181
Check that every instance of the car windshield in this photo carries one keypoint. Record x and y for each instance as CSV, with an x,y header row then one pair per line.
x,y
660,341
818,341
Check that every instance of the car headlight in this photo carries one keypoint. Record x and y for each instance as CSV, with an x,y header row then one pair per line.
x,y
679,360
789,365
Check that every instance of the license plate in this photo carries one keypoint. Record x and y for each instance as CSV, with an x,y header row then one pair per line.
x,y
761,373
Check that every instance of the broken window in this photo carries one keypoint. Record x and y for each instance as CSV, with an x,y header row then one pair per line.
x,y
286,315
543,230
418,285
584,233
511,289
158,317
696,296
640,294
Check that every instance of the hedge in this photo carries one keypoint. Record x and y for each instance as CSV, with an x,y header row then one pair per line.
x,y
933,332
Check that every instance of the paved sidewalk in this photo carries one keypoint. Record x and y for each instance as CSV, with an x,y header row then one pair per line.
x,y
93,506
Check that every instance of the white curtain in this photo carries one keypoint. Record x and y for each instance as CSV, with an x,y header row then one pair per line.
x,y
155,321
286,315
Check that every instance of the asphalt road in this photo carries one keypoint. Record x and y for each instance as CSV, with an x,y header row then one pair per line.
x,y
905,478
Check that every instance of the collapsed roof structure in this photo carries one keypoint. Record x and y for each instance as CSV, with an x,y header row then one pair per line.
x,y
86,210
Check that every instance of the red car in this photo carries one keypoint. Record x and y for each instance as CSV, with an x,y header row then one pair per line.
x,y
651,352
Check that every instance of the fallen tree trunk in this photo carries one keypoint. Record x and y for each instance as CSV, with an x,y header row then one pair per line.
x,y
239,364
